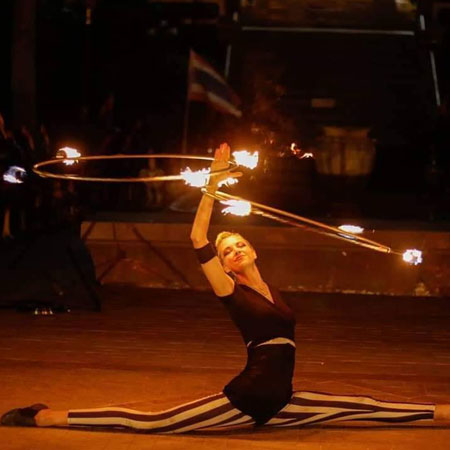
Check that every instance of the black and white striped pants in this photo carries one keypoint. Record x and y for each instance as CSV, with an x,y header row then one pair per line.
x,y
216,411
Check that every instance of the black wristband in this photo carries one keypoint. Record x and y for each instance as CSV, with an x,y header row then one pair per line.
x,y
205,253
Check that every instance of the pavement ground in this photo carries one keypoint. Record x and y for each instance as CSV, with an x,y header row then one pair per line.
x,y
152,349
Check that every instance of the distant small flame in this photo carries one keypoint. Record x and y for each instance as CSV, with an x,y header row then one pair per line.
x,y
198,178
296,150
14,174
246,159
237,207
299,153
355,229
412,256
68,152
228,182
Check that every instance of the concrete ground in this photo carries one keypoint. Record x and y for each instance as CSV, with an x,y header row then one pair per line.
x,y
152,349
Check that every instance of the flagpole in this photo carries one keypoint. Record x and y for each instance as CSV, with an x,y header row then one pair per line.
x,y
228,55
186,108
227,61
185,126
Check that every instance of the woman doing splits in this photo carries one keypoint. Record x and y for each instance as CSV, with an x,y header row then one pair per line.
x,y
262,393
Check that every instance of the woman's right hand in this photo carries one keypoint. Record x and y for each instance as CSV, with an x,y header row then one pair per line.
x,y
221,158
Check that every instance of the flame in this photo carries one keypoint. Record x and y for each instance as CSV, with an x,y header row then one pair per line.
x,y
246,159
296,150
299,153
228,182
412,256
355,229
14,174
68,152
237,207
197,178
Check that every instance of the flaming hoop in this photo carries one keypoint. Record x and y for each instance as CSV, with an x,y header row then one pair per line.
x,y
37,168
235,205
246,207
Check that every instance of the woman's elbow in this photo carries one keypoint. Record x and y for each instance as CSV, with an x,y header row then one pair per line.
x,y
197,241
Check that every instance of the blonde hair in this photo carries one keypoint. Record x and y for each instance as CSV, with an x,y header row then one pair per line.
x,y
224,235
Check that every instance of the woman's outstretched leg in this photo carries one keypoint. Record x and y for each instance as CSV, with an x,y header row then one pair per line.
x,y
208,412
308,408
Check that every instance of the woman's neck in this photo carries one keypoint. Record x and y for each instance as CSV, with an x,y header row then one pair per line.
x,y
251,277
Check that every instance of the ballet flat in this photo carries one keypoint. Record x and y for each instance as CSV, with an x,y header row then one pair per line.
x,y
22,417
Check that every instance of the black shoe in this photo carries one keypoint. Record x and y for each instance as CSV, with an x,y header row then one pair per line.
x,y
22,417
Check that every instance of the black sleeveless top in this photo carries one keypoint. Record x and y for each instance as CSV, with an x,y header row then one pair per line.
x,y
257,318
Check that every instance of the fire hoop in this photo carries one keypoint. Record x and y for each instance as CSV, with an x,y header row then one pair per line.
x,y
45,174
303,222
411,256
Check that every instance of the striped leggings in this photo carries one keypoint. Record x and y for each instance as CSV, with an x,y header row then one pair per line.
x,y
216,411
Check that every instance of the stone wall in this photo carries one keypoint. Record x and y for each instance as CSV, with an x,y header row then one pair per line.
x,y
160,255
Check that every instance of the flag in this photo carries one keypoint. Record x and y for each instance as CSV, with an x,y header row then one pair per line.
x,y
205,84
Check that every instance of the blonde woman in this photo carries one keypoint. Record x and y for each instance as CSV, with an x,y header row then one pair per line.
x,y
262,393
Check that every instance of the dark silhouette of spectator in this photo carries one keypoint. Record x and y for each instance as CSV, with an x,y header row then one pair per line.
x,y
42,146
24,142
13,207
112,144
154,193
135,143
4,216
106,113
3,147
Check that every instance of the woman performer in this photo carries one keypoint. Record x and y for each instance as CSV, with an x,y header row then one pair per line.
x,y
262,393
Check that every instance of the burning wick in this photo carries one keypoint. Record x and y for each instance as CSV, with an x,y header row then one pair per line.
x,y
67,152
307,155
355,229
197,178
228,182
246,159
413,256
14,174
237,207
200,178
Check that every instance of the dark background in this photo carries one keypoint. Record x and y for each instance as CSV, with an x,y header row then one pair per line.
x,y
119,85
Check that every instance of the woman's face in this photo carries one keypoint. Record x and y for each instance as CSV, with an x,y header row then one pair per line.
x,y
236,253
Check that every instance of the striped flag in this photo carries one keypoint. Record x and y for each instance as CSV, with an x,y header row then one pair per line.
x,y
207,85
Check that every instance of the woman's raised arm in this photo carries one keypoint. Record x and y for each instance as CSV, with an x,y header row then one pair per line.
x,y
221,283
